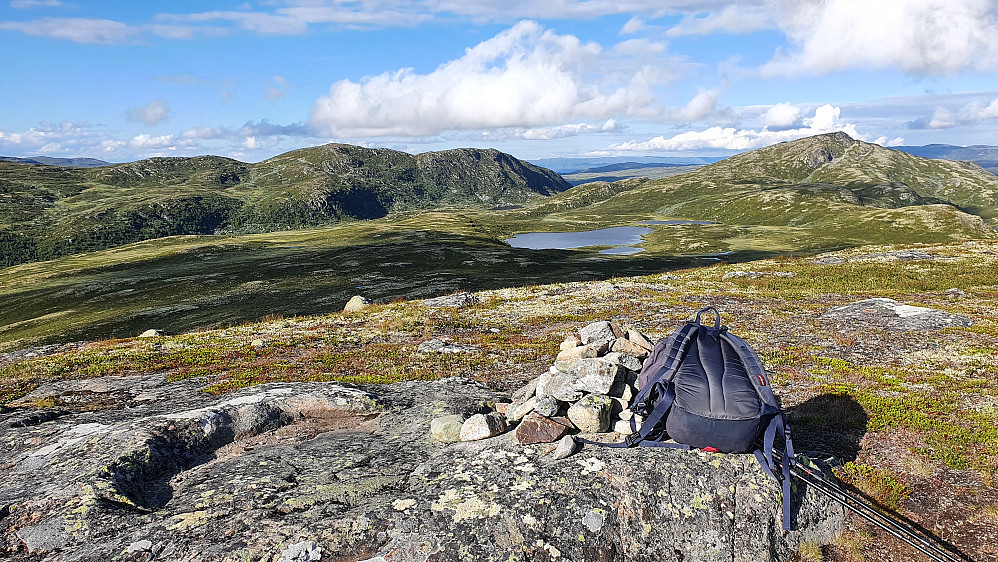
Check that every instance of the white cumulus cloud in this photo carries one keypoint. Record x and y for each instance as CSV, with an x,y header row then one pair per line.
x,y
525,76
917,36
150,114
733,18
826,119
782,116
633,25
883,141
970,114
67,138
548,133
111,145
145,141
639,47
702,105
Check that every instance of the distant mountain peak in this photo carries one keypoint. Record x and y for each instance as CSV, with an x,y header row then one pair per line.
x,y
49,161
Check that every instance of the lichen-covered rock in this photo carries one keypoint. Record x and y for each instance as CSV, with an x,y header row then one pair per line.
x,y
526,391
547,406
629,361
591,375
305,551
457,300
622,426
569,358
595,376
637,338
517,413
355,473
599,332
447,429
570,343
566,446
893,315
591,414
483,426
603,504
756,274
623,345
543,382
562,387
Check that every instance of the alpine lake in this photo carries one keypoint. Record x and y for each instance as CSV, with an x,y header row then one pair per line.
x,y
622,239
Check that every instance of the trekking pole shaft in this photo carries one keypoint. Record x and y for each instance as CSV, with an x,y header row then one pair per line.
x,y
873,515
859,504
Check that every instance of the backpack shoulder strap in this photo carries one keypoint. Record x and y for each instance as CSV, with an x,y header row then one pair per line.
x,y
662,364
778,424
664,361
647,434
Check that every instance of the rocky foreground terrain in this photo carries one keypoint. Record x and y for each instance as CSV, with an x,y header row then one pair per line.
x,y
309,438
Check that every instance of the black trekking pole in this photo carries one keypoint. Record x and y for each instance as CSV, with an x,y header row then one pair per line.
x,y
917,540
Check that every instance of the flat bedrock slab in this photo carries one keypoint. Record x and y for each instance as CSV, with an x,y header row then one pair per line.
x,y
893,315
300,470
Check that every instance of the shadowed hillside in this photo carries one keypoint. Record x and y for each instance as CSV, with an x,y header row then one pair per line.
x,y
47,211
818,194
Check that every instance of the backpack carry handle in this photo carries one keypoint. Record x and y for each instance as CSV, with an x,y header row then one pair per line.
x,y
717,317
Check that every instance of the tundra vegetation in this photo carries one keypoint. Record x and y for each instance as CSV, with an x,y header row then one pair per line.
x,y
798,228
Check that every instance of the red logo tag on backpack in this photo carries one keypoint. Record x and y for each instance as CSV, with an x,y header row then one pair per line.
x,y
710,450
761,379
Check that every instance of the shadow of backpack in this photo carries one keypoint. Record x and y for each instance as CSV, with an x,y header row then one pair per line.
x,y
705,388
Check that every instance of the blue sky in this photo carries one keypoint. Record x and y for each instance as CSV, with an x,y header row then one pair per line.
x,y
123,80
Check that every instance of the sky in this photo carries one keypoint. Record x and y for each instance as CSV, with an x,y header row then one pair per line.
x,y
121,81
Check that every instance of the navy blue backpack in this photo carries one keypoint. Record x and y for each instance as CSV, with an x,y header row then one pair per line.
x,y
704,387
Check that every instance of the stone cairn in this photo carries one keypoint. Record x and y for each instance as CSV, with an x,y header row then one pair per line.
x,y
587,390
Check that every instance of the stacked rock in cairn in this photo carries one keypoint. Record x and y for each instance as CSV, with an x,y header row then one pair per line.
x,y
587,390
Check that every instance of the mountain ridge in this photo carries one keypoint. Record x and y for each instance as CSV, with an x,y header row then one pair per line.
x,y
815,195
54,211
50,161
984,155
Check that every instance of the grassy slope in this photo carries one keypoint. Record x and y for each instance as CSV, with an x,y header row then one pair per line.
x,y
181,283
915,413
814,194
47,211
822,193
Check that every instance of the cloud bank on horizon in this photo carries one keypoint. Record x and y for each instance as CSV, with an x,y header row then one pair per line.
x,y
535,79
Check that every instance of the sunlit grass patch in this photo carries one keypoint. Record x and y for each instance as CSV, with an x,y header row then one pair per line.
x,y
881,485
